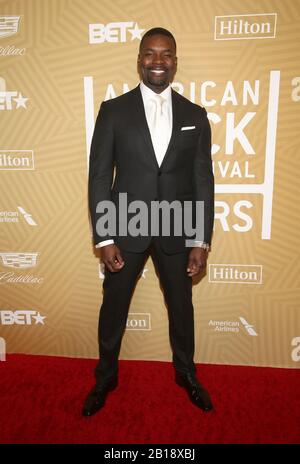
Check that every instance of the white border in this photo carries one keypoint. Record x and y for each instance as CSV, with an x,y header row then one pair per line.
x,y
266,188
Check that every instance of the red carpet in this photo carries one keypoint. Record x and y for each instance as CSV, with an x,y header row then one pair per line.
x,y
41,400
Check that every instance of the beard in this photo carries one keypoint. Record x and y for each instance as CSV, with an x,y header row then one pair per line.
x,y
162,80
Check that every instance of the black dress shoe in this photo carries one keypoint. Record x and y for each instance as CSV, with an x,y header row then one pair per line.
x,y
97,396
198,395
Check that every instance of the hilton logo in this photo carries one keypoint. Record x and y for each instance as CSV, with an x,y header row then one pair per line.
x,y
16,160
138,321
252,26
235,273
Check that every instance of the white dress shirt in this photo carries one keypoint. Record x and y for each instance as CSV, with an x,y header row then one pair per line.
x,y
160,133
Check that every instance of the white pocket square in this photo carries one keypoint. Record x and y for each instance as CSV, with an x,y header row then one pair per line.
x,y
188,128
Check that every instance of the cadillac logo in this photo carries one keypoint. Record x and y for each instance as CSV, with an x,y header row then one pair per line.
x,y
9,25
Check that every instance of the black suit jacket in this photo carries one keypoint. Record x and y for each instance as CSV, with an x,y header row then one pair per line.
x,y
122,160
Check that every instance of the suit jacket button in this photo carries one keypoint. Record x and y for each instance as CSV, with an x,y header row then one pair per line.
x,y
159,173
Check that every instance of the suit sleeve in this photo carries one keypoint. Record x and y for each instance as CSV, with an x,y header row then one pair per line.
x,y
204,178
101,167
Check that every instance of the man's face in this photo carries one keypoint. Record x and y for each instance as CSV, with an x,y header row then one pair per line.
x,y
157,62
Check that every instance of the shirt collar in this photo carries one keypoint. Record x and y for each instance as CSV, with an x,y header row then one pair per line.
x,y
147,93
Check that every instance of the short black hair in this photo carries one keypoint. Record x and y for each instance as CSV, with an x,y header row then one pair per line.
x,y
157,31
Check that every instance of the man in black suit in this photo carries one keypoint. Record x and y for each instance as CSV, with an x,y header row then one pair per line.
x,y
154,145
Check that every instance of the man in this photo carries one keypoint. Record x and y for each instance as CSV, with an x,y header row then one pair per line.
x,y
158,144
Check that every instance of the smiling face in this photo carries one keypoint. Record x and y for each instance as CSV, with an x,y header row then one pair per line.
x,y
157,62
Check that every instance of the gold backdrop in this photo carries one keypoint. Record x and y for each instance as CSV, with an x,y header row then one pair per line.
x,y
240,60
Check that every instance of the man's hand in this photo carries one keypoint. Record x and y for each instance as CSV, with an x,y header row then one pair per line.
x,y
197,261
112,258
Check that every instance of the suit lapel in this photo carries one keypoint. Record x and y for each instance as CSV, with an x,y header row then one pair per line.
x,y
141,123
175,128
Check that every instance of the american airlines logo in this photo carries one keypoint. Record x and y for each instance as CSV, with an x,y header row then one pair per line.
x,y
138,321
21,317
248,327
235,273
114,32
19,260
15,216
27,216
232,326
16,160
251,26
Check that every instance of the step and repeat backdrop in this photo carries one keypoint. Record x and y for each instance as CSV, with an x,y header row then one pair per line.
x,y
240,60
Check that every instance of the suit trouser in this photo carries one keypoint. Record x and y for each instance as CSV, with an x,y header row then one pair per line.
x,y
118,288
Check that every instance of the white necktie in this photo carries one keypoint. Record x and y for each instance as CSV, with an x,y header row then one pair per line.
x,y
160,128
